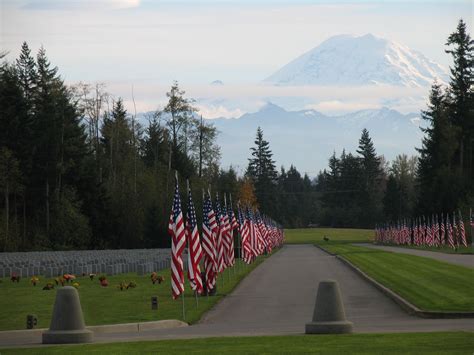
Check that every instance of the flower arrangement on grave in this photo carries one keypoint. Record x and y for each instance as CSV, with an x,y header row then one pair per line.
x,y
103,281
91,276
126,285
59,281
132,284
34,280
75,285
69,277
15,277
156,278
48,286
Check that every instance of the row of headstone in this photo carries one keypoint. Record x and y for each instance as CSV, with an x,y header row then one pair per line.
x,y
111,262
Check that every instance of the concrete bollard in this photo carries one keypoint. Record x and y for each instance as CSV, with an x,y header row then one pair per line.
x,y
329,316
67,323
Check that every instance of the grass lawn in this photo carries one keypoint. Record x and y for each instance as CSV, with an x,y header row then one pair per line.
x,y
427,283
316,235
408,343
110,305
443,249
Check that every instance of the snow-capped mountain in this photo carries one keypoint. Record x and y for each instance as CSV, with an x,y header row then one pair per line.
x,y
365,60
307,138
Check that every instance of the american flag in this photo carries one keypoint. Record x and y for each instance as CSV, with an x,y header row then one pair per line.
x,y
455,231
195,251
227,237
449,230
220,236
178,242
245,237
462,231
252,235
443,231
209,228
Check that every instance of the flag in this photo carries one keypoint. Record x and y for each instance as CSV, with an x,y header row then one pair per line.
x,y
449,230
442,231
194,249
462,232
220,237
244,237
228,238
251,228
209,242
178,242
455,231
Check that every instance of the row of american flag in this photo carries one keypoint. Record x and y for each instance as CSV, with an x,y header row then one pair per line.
x,y
214,247
439,230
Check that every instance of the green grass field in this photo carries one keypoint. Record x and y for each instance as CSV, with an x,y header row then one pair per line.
x,y
335,235
443,249
427,283
110,305
414,343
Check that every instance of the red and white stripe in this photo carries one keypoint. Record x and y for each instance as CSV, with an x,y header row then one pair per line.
x,y
178,242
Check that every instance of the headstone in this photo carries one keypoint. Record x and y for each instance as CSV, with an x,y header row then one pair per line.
x,y
110,270
31,321
154,302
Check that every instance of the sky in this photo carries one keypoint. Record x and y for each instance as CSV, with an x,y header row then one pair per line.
x,y
148,44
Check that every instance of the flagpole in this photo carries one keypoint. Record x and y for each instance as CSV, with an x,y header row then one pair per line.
x,y
471,222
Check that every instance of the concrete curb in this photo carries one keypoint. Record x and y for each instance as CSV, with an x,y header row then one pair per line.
x,y
403,303
101,329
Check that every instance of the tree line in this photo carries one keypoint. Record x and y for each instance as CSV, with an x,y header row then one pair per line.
x,y
77,170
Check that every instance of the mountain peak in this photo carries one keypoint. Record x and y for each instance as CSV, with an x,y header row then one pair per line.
x,y
271,107
359,60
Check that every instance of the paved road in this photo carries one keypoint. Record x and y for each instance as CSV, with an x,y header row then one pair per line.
x,y
466,260
278,298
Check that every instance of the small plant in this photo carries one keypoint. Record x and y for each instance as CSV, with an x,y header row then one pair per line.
x,y
69,277
34,280
126,285
131,284
59,281
156,278
75,285
48,286
102,277
15,278
103,282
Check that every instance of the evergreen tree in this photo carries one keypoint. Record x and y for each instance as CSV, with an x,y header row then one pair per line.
x,y
262,171
371,176
392,200
27,75
437,166
461,96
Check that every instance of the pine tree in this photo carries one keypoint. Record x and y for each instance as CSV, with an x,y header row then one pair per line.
x,y
27,75
262,171
437,166
261,166
371,176
461,96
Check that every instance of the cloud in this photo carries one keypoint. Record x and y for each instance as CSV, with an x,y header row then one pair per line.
x,y
83,5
